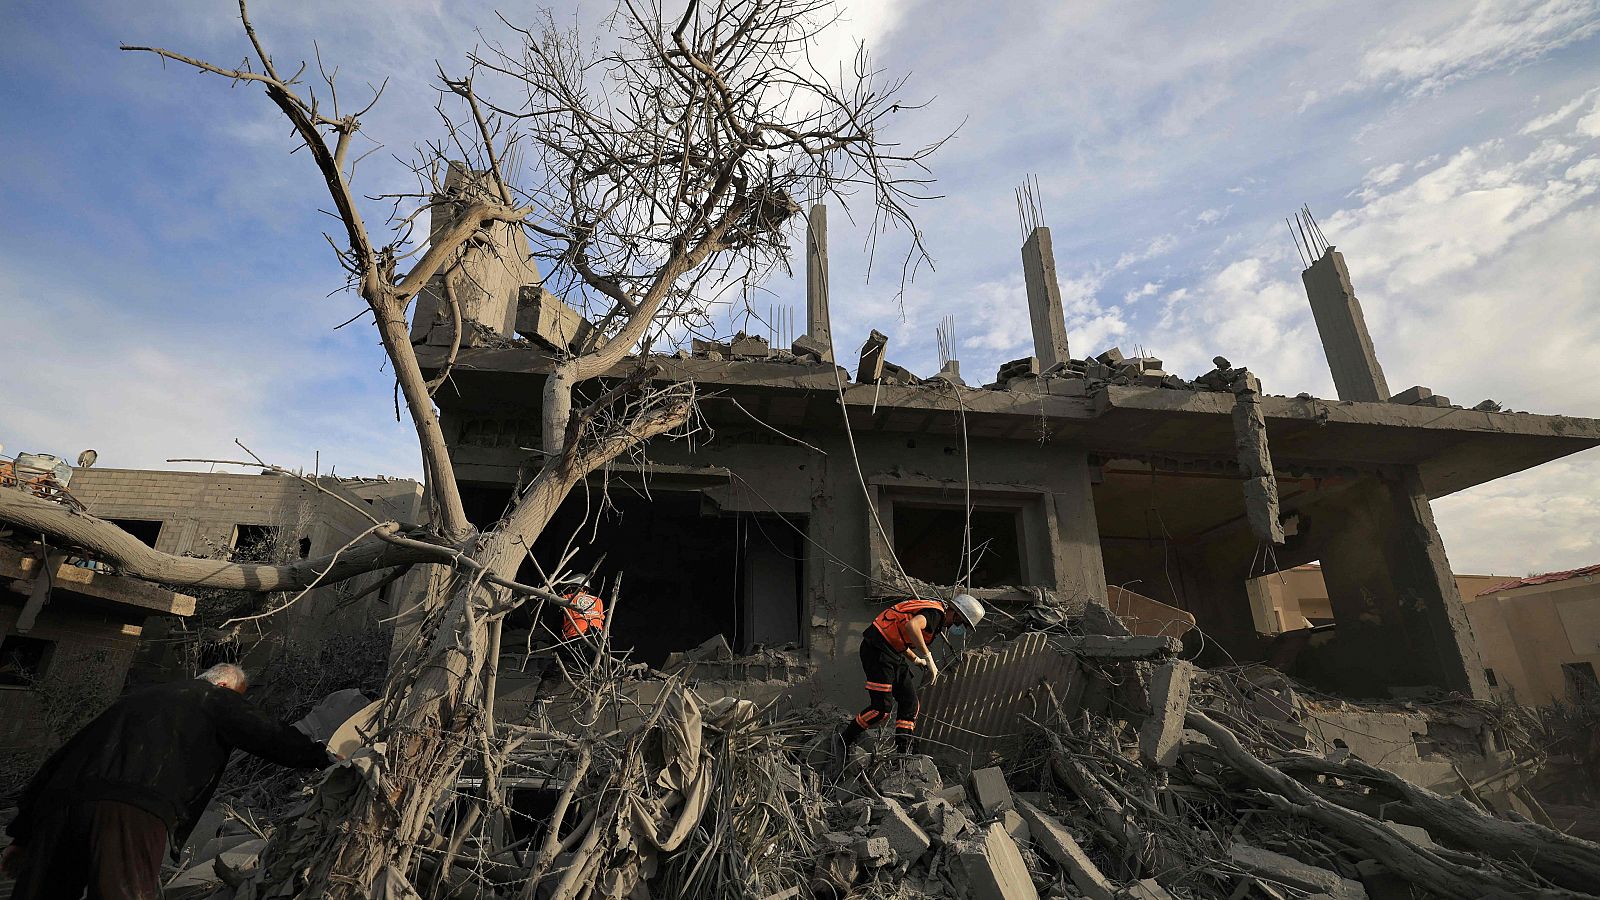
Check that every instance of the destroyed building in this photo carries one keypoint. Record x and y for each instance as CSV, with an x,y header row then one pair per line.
x,y
68,635
257,517
789,523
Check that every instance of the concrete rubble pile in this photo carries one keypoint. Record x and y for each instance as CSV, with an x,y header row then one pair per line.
x,y
1137,775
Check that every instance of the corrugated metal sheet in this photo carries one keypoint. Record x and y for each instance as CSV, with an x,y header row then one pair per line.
x,y
979,706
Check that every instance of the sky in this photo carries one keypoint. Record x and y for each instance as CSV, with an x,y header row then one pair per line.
x,y
166,289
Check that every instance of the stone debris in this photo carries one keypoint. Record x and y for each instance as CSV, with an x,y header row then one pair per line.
x,y
989,792
1162,732
994,868
904,836
1148,779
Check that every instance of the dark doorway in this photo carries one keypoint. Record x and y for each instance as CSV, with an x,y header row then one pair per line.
x,y
684,571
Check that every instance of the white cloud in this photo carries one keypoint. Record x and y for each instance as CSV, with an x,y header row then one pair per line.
x,y
141,391
1493,34
1560,115
1542,520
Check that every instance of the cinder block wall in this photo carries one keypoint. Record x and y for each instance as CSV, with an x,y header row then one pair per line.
x,y
199,512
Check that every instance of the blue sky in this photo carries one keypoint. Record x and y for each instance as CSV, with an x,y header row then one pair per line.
x,y
166,288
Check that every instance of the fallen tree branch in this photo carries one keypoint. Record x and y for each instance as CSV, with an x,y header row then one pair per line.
x,y
1565,860
1417,865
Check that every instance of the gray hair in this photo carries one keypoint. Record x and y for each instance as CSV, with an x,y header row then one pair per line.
x,y
226,675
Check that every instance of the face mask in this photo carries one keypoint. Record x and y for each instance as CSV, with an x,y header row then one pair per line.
x,y
958,631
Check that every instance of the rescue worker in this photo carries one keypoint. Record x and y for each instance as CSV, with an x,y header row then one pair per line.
x,y
895,643
581,628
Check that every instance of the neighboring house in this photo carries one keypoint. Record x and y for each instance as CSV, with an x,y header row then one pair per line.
x,y
267,517
65,643
1540,635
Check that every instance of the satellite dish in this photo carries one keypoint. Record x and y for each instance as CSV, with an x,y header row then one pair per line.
x,y
87,458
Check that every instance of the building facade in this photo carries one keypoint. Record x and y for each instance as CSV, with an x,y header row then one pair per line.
x,y
816,494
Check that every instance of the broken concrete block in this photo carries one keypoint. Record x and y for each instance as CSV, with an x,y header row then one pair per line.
x,y
1162,733
874,851
1052,837
542,316
940,820
1099,646
1111,357
806,345
1099,619
1293,872
989,791
951,373
994,867
1017,827
913,777
749,346
870,368
1412,395
893,374
905,837
1018,368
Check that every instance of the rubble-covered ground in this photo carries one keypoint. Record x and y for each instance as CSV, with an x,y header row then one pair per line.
x,y
1141,776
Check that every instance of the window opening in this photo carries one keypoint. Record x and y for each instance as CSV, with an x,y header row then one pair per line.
x,y
254,543
23,659
146,531
927,540
1582,685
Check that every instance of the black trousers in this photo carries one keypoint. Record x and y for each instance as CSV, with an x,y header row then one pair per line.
x,y
113,850
891,685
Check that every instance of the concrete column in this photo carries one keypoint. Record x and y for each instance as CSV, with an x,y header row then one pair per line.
x,y
489,277
1044,299
1080,569
1356,373
817,326
1401,621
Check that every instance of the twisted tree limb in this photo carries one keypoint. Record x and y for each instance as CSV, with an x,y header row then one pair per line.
x,y
1421,867
1565,860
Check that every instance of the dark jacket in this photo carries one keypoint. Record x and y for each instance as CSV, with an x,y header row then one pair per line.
x,y
162,749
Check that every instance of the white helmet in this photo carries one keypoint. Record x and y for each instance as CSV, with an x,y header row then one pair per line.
x,y
971,609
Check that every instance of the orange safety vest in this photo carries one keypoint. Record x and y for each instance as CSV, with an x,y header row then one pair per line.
x,y
889,621
576,622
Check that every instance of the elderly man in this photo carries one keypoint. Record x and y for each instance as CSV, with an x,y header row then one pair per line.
x,y
104,807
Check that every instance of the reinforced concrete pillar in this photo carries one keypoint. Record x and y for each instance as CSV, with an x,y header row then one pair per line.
x,y
817,325
1401,621
1044,299
1080,569
1353,362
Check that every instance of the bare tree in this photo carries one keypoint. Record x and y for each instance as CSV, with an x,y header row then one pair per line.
x,y
649,178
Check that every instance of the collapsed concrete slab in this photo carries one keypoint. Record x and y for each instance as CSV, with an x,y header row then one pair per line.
x,y
1059,844
994,868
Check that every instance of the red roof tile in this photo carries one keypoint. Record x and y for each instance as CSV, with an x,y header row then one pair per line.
x,y
1547,578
